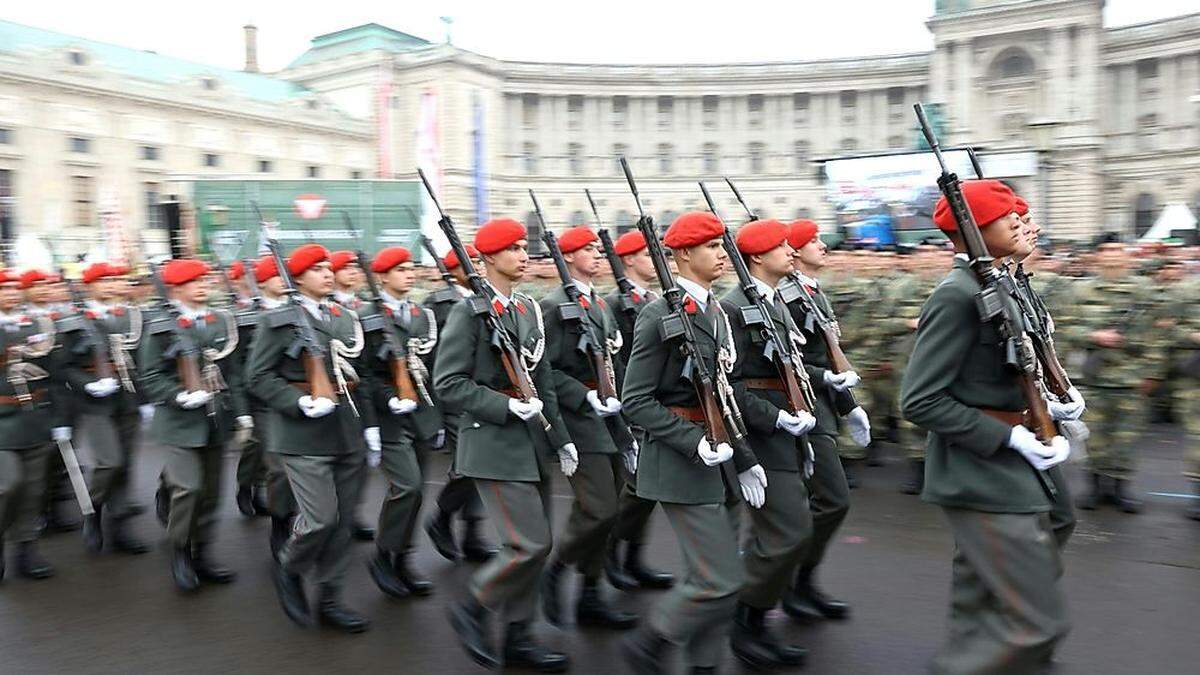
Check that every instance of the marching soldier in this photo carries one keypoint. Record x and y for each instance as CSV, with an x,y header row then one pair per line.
x,y
251,468
189,368
633,512
99,344
678,467
829,493
781,523
319,440
501,447
32,412
41,297
405,412
603,446
347,285
982,465
458,495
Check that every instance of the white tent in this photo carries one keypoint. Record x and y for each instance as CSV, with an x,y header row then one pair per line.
x,y
1175,217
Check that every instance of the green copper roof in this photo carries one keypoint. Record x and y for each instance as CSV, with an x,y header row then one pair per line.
x,y
146,65
358,39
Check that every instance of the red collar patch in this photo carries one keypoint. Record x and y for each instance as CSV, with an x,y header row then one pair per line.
x,y
689,305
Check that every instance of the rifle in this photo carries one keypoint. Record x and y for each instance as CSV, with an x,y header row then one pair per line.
x,y
722,420
97,343
784,353
624,285
219,268
251,280
184,350
481,305
995,288
392,348
447,277
307,347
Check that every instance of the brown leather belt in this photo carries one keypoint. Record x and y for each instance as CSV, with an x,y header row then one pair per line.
x,y
14,400
306,388
690,414
771,383
1010,417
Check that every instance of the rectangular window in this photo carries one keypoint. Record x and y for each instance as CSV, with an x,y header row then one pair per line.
x,y
154,216
755,151
800,106
619,150
6,203
620,111
529,158
666,160
211,160
801,152
79,144
5,136
529,109
666,111
575,159
709,107
83,196
574,111
149,153
313,171
755,106
264,166
895,96
356,175
711,163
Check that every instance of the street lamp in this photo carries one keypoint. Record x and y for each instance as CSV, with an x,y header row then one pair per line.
x,y
1043,133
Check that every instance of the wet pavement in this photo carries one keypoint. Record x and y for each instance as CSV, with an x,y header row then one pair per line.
x,y
1132,584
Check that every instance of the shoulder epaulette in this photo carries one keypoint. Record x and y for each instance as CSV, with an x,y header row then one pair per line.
x,y
372,322
69,324
160,324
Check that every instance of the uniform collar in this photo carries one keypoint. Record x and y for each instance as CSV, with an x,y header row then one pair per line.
x,y
345,298
191,314
271,303
807,280
314,307
766,289
392,301
503,299
699,293
588,290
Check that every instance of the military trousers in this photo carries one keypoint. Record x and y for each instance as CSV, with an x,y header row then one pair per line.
x,y
776,539
633,512
252,467
109,442
1007,610
280,502
326,491
22,489
191,478
596,485
1062,507
1115,418
508,583
458,495
697,612
404,472
828,498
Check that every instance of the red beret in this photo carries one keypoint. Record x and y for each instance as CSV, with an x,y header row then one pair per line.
x,y
576,238
7,277
629,243
451,260
1021,206
98,271
183,270
31,277
692,229
496,235
800,232
121,270
761,236
389,258
989,200
237,269
265,269
305,257
339,259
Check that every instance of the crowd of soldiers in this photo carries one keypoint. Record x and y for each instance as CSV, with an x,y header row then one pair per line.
x,y
317,382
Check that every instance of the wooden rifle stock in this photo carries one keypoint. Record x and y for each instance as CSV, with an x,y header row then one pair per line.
x,y
1039,415
319,384
837,358
402,379
188,367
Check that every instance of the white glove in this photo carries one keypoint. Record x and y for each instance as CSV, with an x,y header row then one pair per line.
x,y
439,439
190,400
606,408
146,411
568,459
810,461
401,406
712,457
245,427
797,425
842,381
104,387
525,410
860,426
754,486
62,434
1038,454
630,457
374,446
315,407
1065,412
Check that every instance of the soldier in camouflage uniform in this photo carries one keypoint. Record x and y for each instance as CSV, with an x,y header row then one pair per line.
x,y
865,303
1185,371
908,296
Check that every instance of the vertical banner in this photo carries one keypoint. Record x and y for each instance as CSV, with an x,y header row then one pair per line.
x,y
116,243
383,121
480,162
429,159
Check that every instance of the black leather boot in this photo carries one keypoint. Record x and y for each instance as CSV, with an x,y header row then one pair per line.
x,y
281,529
551,601
57,521
332,613
183,571
441,534
614,570
93,530
521,651
643,651
1124,498
474,547
245,501
1194,511
469,620
162,506
415,584
384,575
362,531
208,571
30,563
259,500
916,480
290,589
593,610
122,541
745,640
806,602
644,576
1090,500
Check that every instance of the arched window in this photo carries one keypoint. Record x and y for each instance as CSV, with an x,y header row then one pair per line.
x,y
1145,211
1012,62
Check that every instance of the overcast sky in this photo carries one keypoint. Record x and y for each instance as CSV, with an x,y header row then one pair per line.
x,y
610,31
